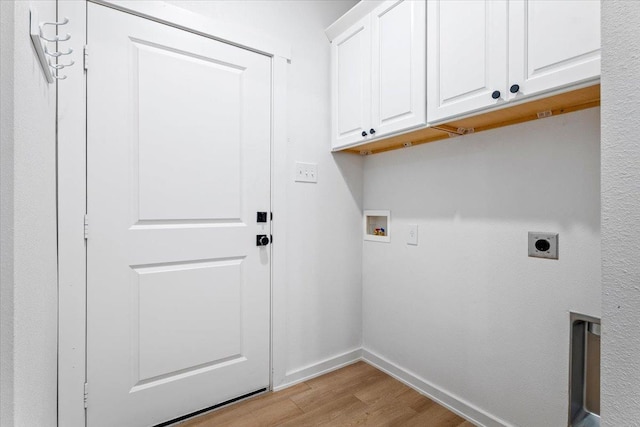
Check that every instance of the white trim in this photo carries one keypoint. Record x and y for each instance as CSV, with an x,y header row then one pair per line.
x,y
178,17
72,188
450,401
349,19
320,368
71,210
279,179
444,398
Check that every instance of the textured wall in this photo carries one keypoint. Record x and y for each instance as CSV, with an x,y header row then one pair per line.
x,y
620,213
29,189
467,310
6,212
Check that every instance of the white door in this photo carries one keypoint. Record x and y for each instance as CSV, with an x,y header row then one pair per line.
x,y
398,71
178,151
466,55
552,44
351,85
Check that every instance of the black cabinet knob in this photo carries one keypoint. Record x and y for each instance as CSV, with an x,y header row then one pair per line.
x,y
364,133
262,240
495,94
372,131
514,88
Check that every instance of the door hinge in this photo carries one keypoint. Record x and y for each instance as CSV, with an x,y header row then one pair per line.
x,y
86,227
86,393
86,57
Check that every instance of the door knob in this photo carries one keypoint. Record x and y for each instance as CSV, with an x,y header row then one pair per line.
x,y
262,240
372,131
495,94
514,88
364,133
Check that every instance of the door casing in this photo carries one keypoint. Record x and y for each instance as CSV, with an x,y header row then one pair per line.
x,y
72,189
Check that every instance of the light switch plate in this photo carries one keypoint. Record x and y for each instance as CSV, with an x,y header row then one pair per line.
x,y
306,172
543,245
412,235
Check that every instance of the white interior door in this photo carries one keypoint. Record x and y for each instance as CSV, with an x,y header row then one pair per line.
x,y
398,72
552,44
466,56
351,84
178,160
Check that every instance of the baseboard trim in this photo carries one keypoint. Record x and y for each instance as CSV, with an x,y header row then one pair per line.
x,y
450,401
442,397
320,368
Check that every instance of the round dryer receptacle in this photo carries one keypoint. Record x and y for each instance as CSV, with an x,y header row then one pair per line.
x,y
542,245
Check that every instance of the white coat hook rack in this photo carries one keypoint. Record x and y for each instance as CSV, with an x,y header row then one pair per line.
x,y
40,41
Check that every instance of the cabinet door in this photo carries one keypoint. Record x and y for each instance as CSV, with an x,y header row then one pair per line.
x,y
466,56
553,44
398,72
351,84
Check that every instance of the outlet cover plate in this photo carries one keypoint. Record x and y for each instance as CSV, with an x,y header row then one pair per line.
x,y
543,245
412,235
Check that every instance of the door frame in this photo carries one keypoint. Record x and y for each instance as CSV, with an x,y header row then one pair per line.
x,y
72,186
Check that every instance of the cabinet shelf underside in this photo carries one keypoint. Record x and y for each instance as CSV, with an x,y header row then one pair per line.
x,y
563,103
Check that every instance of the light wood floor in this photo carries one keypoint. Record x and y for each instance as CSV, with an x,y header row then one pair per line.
x,y
358,394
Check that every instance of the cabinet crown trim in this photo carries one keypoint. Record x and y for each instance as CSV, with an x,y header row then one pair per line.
x,y
353,15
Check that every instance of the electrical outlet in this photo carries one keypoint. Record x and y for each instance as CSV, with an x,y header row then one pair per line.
x,y
543,245
412,235
306,172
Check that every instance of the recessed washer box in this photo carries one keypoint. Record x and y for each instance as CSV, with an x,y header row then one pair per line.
x,y
377,225
543,245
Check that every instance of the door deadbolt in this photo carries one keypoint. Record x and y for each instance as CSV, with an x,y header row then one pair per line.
x,y
261,217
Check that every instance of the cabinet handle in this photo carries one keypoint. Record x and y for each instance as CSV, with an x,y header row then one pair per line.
x,y
495,94
514,88
372,131
364,133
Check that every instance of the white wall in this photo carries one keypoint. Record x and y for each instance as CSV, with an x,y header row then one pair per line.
x,y
6,212
323,220
467,310
620,213
29,287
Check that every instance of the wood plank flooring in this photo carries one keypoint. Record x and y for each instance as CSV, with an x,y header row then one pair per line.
x,y
357,395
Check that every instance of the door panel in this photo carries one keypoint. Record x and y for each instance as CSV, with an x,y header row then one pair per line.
x,y
553,44
178,154
351,84
174,343
465,66
210,173
398,70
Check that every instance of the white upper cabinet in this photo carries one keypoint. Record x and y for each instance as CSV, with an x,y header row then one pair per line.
x,y
484,53
399,61
378,72
351,84
552,44
467,51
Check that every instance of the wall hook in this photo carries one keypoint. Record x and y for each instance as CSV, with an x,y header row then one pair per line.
x,y
57,53
60,66
39,41
55,38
